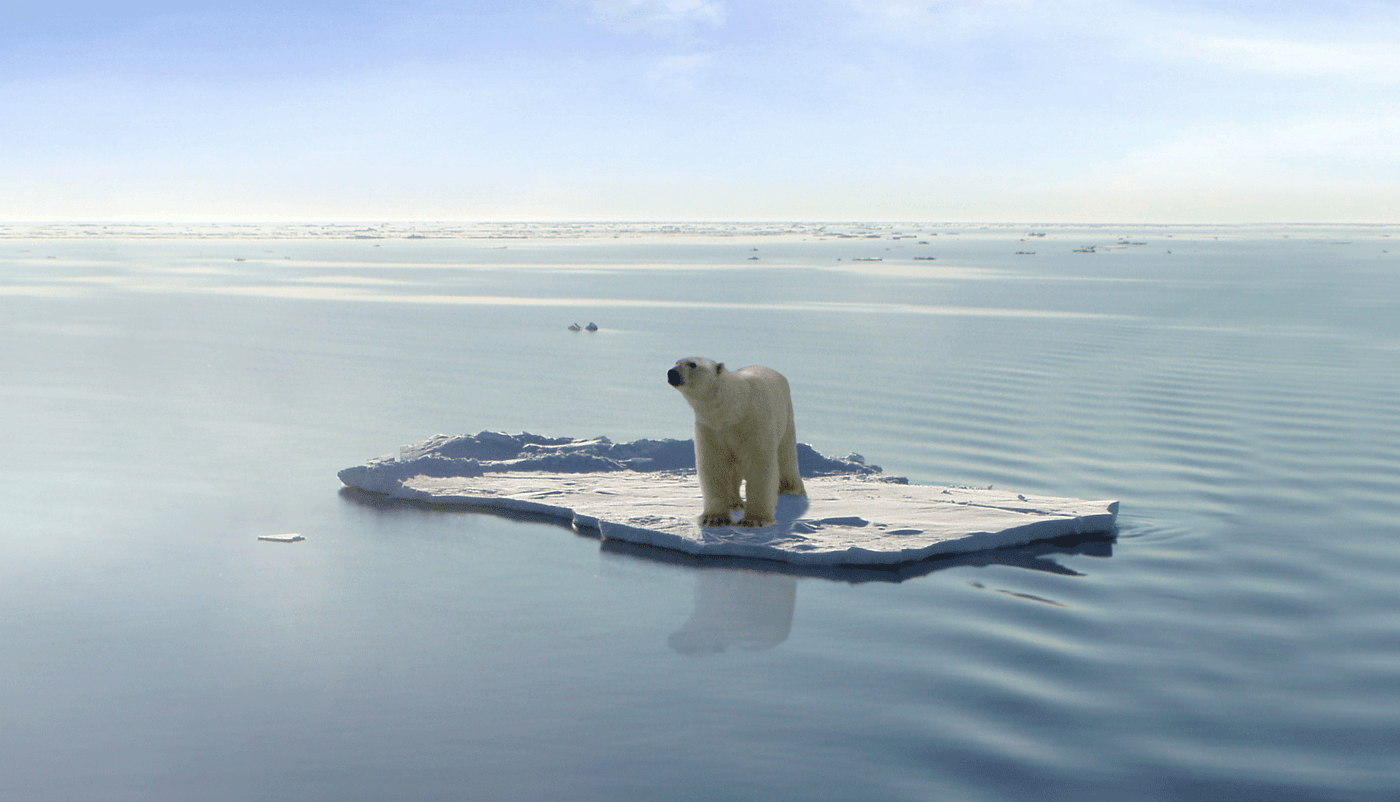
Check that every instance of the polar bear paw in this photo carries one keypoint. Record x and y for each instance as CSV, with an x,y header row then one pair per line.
x,y
754,523
716,519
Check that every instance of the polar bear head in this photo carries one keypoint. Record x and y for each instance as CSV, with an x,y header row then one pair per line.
x,y
693,372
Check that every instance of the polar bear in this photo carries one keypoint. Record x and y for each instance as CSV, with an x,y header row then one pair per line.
x,y
743,432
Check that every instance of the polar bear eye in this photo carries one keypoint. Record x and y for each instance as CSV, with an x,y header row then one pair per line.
x,y
690,365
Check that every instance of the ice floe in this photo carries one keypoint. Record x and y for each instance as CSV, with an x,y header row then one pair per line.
x,y
645,493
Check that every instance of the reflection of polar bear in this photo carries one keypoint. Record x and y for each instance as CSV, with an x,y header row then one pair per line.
x,y
748,609
743,431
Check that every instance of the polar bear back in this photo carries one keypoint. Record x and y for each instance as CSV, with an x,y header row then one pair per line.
x,y
751,393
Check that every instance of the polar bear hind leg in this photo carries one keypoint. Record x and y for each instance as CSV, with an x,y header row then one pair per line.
x,y
789,477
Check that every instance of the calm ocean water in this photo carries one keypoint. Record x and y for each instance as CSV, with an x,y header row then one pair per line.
x,y
168,395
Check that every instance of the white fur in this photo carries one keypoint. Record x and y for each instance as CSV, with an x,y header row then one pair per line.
x,y
744,431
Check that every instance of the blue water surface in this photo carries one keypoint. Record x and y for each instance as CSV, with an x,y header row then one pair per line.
x,y
168,395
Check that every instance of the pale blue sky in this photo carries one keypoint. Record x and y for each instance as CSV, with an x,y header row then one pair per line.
x,y
930,110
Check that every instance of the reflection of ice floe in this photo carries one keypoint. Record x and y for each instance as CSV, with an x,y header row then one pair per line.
x,y
645,493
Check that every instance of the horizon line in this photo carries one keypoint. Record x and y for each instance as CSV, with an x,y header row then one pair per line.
x,y
371,222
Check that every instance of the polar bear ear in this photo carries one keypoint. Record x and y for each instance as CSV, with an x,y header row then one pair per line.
x,y
719,368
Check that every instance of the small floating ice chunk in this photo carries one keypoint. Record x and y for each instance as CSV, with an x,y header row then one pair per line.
x,y
592,327
290,537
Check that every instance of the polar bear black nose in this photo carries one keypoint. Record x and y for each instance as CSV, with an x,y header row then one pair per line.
x,y
674,377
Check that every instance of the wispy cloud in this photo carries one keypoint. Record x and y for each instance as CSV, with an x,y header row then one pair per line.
x,y
919,18
1234,152
681,71
658,16
1322,44
1367,62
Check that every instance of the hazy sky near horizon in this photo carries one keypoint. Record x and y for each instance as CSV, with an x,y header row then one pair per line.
x,y
993,110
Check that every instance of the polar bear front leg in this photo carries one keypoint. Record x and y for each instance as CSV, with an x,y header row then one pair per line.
x,y
760,492
719,479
